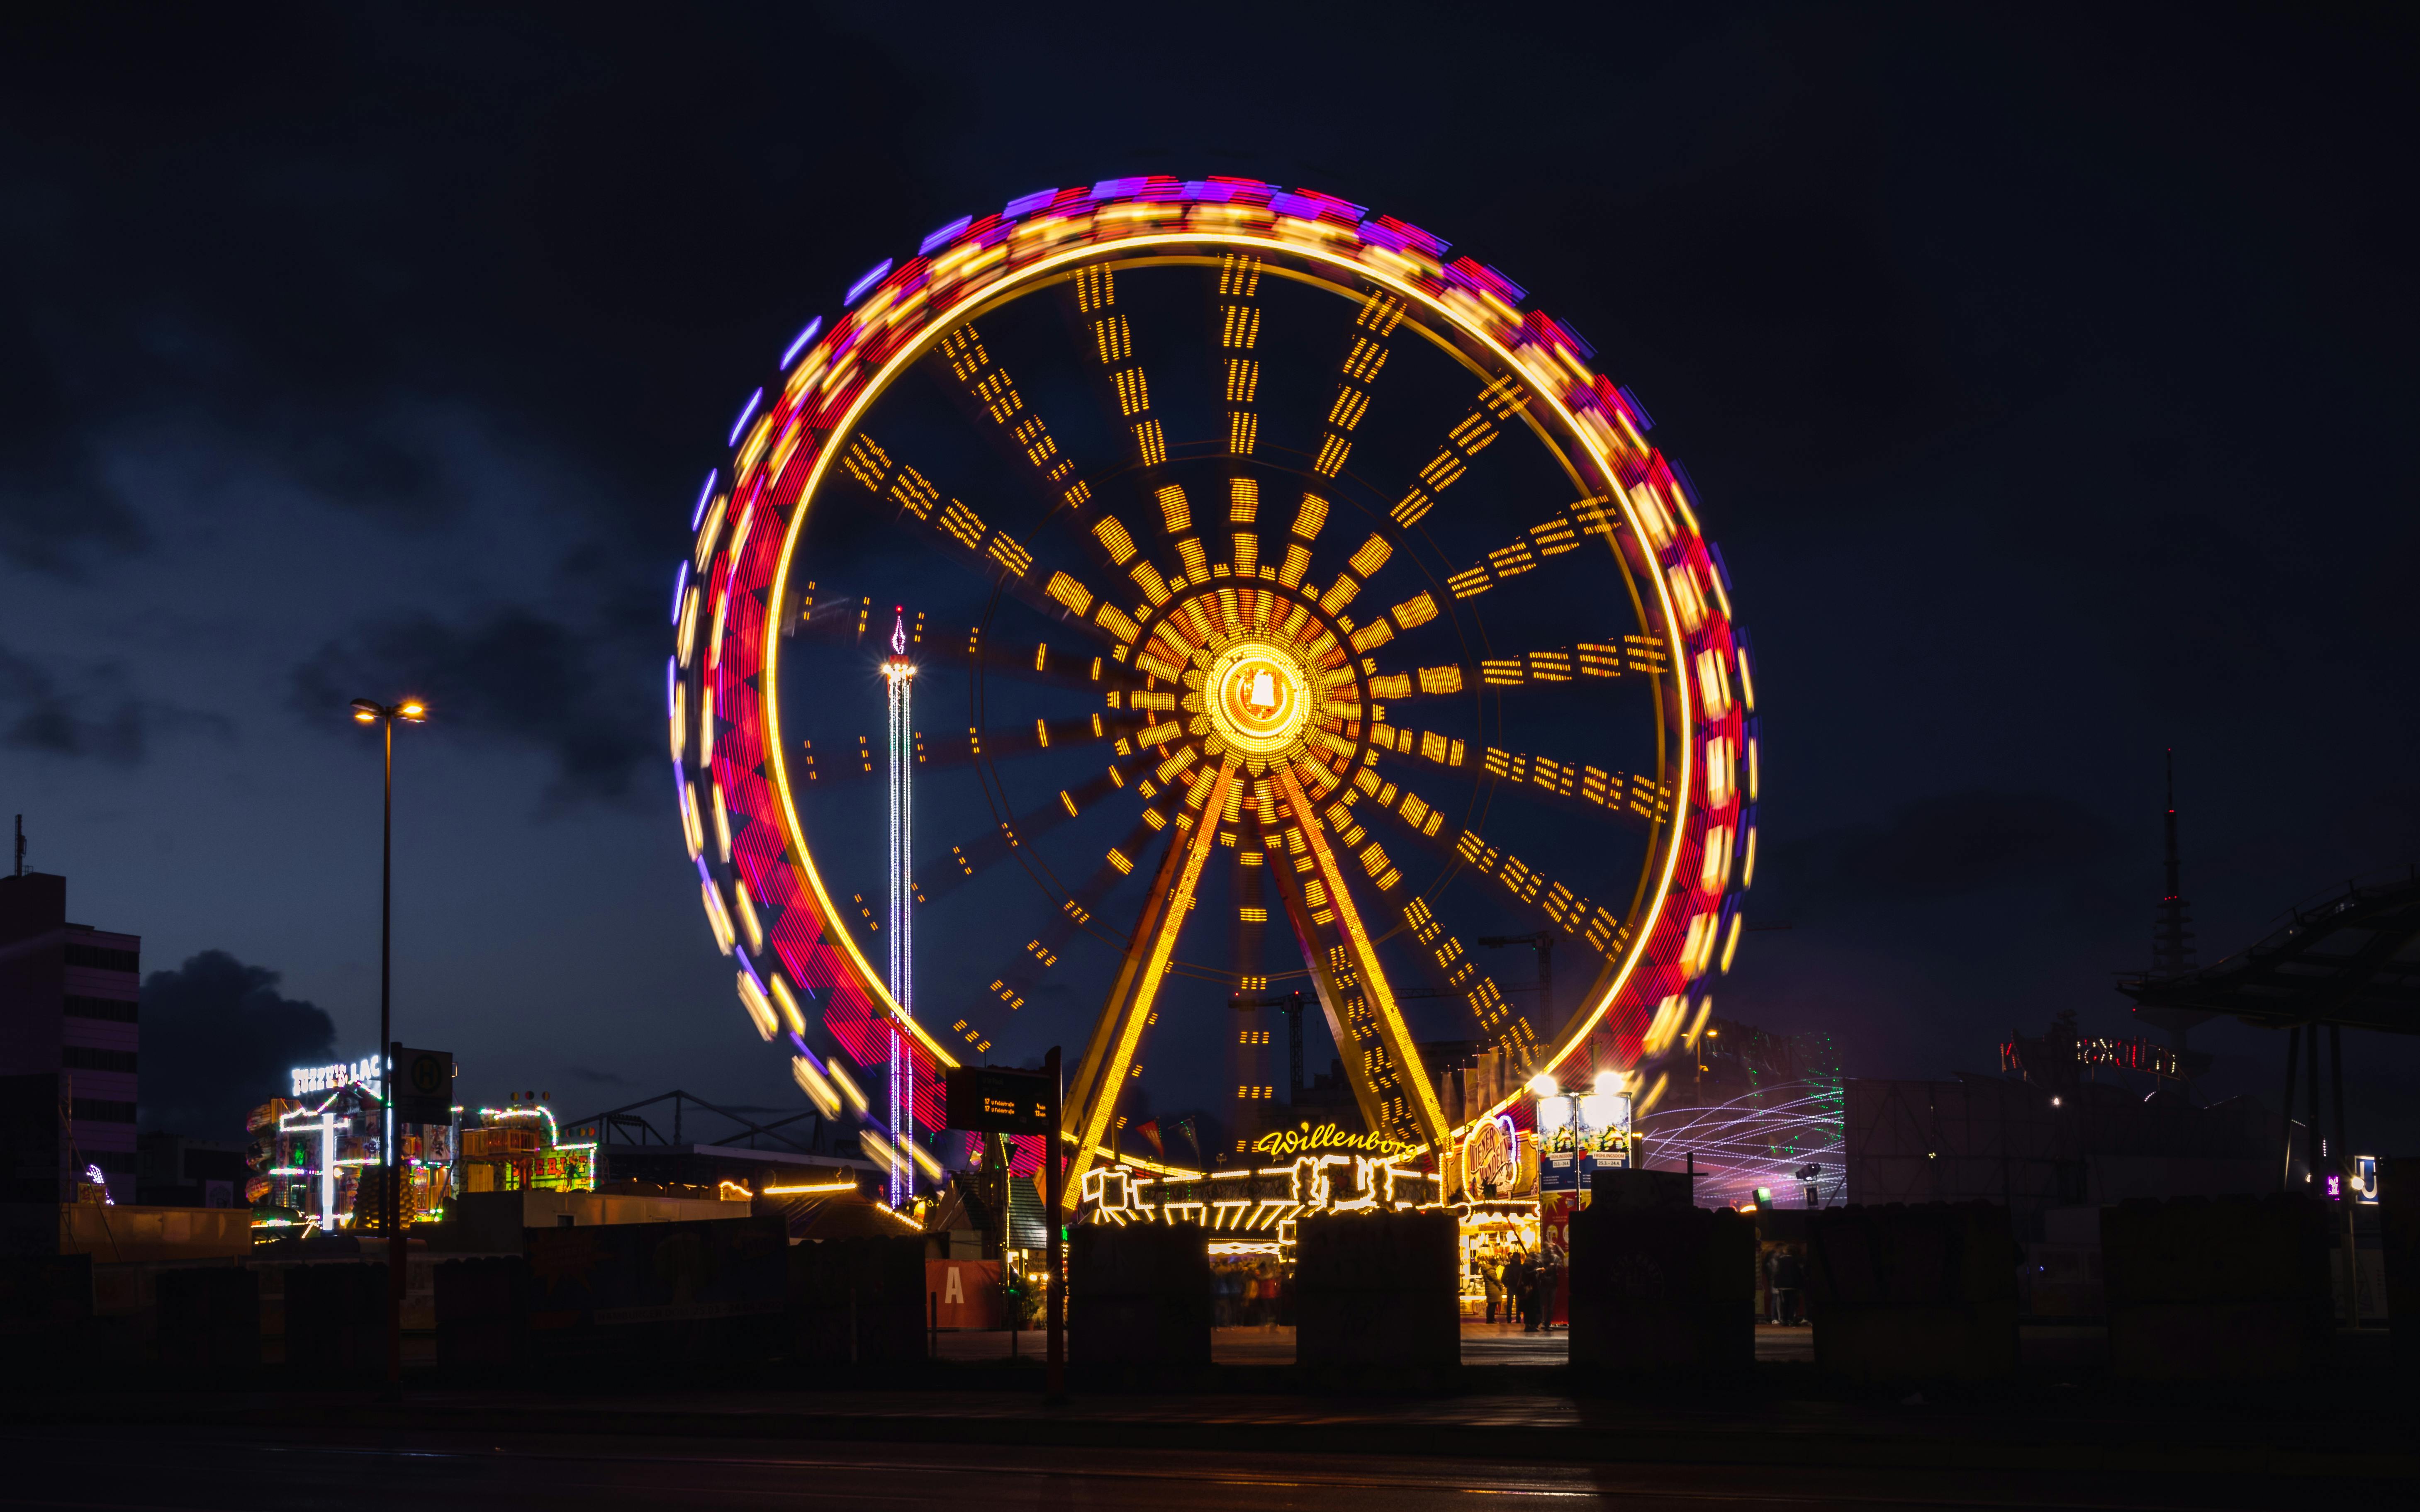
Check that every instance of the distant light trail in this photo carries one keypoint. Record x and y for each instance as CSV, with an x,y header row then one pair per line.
x,y
1758,1139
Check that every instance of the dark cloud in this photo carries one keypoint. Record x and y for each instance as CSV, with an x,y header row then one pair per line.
x,y
366,214
1949,846
218,1040
91,713
513,677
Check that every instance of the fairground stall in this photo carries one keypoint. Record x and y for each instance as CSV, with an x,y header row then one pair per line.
x,y
315,1156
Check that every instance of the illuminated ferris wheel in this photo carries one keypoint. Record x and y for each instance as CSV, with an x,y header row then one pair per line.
x,y
1290,616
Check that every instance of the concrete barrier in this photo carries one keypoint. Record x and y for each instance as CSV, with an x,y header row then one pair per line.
x,y
482,1307
45,1310
675,1294
856,1302
2399,1228
1376,1288
335,1317
1663,1288
209,1318
2227,1288
1911,1293
1138,1294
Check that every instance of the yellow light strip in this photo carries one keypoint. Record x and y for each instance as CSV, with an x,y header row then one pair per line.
x,y
792,1191
1352,267
1392,1031
1138,1011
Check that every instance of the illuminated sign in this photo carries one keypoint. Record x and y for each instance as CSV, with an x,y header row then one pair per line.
x,y
1264,1200
997,1099
310,1079
1492,1155
1289,1142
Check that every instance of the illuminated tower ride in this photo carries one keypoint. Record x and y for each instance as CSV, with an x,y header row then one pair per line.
x,y
899,674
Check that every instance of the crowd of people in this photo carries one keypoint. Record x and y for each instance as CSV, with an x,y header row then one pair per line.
x,y
1250,1293
1520,1285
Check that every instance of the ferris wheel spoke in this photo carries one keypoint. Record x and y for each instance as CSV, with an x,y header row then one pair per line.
x,y
1019,978
1108,1061
1110,339
1569,912
1454,972
1399,1084
1582,661
938,876
1636,800
1365,356
1238,321
1010,741
1020,431
960,535
1076,913
839,619
1013,427
841,764
1473,434
1560,533
1247,883
1001,656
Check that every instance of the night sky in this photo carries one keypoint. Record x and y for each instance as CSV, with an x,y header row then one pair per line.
x,y
2045,376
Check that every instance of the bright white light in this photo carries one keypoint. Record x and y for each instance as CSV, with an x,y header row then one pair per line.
x,y
1542,1085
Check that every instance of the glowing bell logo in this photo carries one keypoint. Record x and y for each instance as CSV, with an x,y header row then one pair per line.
x,y
1263,696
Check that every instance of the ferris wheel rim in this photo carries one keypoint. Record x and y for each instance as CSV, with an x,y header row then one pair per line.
x,y
1019,280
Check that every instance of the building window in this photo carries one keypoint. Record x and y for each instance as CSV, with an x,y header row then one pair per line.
x,y
101,1110
110,1008
84,1057
93,955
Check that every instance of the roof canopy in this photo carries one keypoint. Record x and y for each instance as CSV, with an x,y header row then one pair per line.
x,y
2351,958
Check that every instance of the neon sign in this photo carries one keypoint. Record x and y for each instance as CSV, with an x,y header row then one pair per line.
x,y
1261,1200
1286,1143
310,1079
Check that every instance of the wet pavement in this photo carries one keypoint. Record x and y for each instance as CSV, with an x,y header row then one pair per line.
x,y
1482,1343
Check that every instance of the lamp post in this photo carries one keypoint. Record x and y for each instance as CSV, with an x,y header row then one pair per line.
x,y
369,711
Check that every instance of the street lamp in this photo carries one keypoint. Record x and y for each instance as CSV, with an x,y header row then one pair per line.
x,y
369,711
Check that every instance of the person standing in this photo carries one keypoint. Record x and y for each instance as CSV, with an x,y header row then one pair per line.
x,y
1789,1285
1491,1277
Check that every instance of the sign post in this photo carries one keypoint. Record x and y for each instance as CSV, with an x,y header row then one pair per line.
x,y
424,1085
1054,1299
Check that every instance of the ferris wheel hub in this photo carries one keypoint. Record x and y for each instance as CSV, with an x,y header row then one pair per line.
x,y
1260,697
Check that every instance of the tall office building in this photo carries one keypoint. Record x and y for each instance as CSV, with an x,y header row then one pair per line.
x,y
68,1043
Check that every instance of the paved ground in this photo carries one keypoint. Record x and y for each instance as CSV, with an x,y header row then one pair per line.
x,y
174,1469
1481,1343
